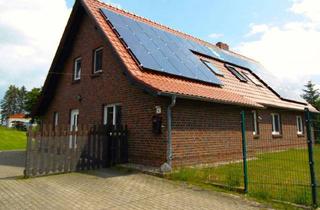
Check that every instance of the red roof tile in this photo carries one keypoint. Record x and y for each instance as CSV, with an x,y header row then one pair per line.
x,y
232,92
17,116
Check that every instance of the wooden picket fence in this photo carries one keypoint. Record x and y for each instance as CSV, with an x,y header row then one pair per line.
x,y
63,150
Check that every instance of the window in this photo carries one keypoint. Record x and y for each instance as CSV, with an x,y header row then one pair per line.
x,y
97,60
252,78
112,115
255,123
299,125
74,122
74,119
77,69
236,73
276,124
214,69
55,119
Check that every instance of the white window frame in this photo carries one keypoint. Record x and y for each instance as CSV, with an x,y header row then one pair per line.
x,y
72,122
299,123
75,69
274,123
56,118
255,122
105,113
94,60
73,138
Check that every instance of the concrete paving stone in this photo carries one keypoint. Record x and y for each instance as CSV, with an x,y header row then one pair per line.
x,y
103,189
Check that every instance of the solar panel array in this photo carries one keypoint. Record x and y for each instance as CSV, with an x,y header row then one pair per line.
x,y
165,52
159,50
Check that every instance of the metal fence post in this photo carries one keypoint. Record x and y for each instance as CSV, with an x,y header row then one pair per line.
x,y
311,159
244,150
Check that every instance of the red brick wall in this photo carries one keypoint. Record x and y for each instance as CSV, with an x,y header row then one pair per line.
x,y
108,88
205,133
267,142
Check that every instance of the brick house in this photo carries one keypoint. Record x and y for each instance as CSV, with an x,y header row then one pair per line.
x,y
98,76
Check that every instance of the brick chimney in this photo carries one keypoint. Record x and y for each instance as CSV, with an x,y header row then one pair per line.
x,y
222,45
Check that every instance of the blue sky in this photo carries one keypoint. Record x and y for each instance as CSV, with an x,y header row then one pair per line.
x,y
281,34
230,18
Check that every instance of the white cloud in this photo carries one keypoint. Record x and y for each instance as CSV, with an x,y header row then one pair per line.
x,y
291,50
30,33
308,8
257,29
215,36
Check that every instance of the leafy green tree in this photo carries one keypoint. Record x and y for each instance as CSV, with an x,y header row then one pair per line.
x,y
9,104
318,104
311,94
31,99
18,100
21,97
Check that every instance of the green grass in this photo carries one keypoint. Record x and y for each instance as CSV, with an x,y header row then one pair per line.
x,y
11,139
272,176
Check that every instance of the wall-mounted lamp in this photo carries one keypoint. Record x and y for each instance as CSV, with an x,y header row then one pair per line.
x,y
158,109
79,98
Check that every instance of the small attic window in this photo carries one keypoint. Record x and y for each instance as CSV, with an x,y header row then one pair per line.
x,y
236,73
77,69
252,78
214,69
97,60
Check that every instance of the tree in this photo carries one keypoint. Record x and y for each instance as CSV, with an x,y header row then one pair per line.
x,y
311,94
318,104
21,97
31,99
9,103
18,100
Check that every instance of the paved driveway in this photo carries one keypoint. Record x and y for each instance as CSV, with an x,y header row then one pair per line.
x,y
104,189
11,164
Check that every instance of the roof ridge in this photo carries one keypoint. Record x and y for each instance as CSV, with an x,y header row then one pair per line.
x,y
177,31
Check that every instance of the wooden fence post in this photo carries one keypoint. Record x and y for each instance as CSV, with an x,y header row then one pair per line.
x,y
61,149
28,153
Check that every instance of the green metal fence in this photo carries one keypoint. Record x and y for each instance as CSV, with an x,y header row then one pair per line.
x,y
279,166
314,135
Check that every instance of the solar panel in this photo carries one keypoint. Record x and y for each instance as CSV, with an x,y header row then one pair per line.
x,y
161,51
212,68
175,54
252,78
236,73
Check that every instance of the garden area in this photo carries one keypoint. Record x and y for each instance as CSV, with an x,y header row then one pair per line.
x,y
12,139
277,176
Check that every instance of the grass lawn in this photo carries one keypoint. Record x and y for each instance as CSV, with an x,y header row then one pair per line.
x,y
11,139
272,176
